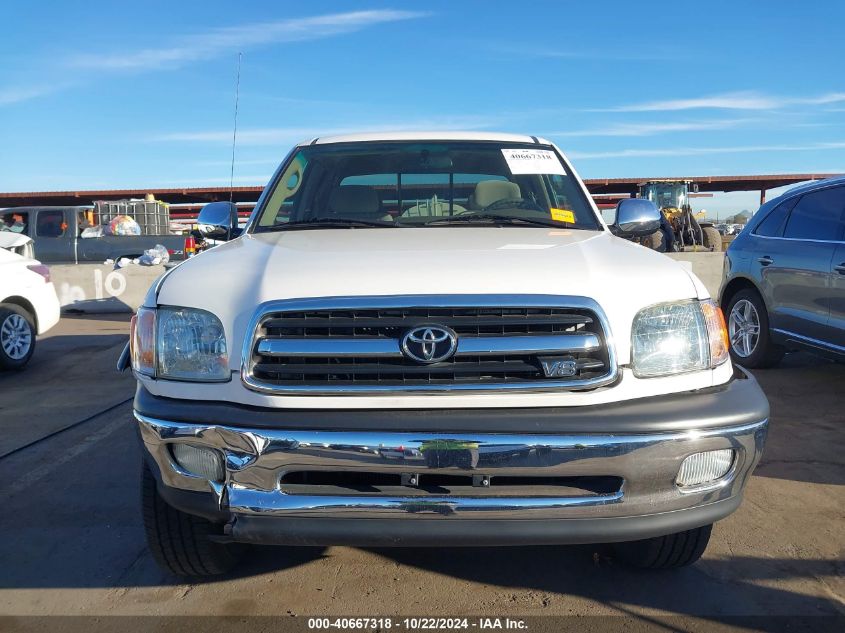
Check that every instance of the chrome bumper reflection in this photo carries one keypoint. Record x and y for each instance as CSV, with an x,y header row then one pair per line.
x,y
247,501
647,464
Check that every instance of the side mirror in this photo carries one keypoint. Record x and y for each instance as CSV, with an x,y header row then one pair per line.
x,y
636,217
218,221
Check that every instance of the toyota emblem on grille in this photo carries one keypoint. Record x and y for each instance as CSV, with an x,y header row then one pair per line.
x,y
429,343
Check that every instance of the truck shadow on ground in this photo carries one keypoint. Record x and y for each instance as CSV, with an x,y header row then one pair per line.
x,y
522,580
535,578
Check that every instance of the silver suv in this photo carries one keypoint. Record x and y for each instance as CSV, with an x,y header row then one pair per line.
x,y
784,280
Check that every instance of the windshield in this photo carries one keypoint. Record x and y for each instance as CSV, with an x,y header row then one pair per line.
x,y
412,184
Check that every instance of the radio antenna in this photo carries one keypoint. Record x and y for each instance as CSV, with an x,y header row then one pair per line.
x,y
235,131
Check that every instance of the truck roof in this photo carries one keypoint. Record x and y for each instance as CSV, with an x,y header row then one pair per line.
x,y
441,135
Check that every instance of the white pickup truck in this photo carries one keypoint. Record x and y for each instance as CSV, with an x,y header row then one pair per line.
x,y
433,339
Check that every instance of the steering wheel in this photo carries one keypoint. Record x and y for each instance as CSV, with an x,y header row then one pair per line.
x,y
433,207
512,203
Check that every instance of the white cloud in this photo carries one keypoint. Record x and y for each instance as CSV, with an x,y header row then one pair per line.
x,y
210,44
287,135
253,136
833,97
216,42
729,101
650,129
18,94
702,151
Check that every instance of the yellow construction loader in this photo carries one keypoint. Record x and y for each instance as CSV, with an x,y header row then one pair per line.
x,y
672,198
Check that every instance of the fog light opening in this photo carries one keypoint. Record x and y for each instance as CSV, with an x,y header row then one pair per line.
x,y
705,468
199,461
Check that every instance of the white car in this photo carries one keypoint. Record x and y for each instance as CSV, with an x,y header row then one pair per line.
x,y
28,307
457,295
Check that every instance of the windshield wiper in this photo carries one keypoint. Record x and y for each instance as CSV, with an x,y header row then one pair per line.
x,y
493,218
330,223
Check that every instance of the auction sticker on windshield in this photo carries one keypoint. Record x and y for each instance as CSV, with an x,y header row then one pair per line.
x,y
533,161
563,215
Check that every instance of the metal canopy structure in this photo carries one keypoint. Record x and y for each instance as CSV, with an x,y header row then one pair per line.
x,y
182,195
705,183
197,196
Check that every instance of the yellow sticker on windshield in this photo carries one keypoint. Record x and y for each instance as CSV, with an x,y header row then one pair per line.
x,y
563,215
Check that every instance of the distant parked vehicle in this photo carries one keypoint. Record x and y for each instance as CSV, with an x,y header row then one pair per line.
x,y
28,307
17,243
784,284
59,235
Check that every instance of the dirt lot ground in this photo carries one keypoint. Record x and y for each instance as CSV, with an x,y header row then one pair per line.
x,y
73,544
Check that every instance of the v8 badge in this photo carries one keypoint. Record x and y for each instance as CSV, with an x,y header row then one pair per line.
x,y
559,367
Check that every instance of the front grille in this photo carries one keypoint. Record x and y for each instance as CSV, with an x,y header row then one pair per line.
x,y
473,369
354,345
392,323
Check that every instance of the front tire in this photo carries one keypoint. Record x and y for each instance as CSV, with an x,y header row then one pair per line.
x,y
748,330
17,336
712,238
656,242
666,552
182,543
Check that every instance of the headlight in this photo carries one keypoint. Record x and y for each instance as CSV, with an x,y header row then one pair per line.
x,y
179,344
673,338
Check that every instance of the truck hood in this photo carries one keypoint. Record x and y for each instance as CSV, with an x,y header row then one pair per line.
x,y
233,279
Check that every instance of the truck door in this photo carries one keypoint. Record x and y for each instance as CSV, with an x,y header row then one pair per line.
x,y
795,269
54,240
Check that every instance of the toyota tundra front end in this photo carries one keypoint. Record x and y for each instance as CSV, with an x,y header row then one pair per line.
x,y
434,339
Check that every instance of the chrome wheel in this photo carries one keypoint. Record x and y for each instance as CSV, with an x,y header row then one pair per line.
x,y
744,328
15,337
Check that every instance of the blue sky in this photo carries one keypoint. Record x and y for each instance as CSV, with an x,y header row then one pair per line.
x,y
110,95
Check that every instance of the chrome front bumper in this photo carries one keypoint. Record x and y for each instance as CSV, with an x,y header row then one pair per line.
x,y
645,464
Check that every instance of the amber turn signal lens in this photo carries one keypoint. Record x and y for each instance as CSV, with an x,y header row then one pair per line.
x,y
717,332
142,341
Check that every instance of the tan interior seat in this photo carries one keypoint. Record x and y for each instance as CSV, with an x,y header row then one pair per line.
x,y
357,201
489,191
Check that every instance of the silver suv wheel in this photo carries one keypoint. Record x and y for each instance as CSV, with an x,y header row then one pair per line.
x,y
15,336
744,328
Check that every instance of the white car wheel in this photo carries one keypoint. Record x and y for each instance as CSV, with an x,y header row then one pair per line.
x,y
17,337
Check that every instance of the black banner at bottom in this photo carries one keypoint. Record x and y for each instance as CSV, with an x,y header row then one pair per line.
x,y
385,624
